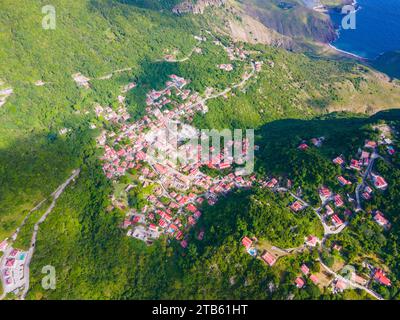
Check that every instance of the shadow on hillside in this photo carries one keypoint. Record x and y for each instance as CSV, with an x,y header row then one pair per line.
x,y
342,132
32,168
154,75
388,63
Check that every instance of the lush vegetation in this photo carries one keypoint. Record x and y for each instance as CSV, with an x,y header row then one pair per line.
x,y
91,37
83,240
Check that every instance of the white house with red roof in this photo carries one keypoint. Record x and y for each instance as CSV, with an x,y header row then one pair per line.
x,y
325,193
381,220
379,182
343,181
338,201
336,220
305,269
338,160
312,241
314,279
296,206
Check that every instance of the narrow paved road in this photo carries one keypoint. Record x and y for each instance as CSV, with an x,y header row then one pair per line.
x,y
56,194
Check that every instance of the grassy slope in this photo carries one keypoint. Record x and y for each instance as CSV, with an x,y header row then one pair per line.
x,y
298,86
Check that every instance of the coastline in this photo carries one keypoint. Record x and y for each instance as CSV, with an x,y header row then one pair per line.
x,y
331,44
353,55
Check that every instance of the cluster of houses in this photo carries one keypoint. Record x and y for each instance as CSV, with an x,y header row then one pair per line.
x,y
12,267
363,167
332,202
266,256
147,149
233,52
317,142
300,282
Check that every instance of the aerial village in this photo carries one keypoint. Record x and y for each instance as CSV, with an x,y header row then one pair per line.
x,y
130,149
334,211
147,152
178,188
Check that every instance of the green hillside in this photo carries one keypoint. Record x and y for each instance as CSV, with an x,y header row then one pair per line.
x,y
46,131
94,38
95,260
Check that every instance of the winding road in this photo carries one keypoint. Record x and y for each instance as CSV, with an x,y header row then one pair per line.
x,y
55,195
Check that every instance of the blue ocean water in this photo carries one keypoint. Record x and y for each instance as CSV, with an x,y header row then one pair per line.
x,y
377,29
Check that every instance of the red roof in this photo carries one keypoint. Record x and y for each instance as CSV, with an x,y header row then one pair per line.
x,y
338,160
336,220
305,269
343,181
127,223
10,262
299,282
380,182
201,235
224,165
312,240
379,218
269,258
303,146
191,208
179,235
162,223
341,285
338,201
296,206
247,242
370,144
381,277
184,244
153,226
160,168
191,220
325,192
314,278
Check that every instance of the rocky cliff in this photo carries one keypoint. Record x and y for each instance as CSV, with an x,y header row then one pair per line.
x,y
196,6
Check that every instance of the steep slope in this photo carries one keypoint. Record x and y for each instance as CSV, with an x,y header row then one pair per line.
x,y
292,18
197,6
287,24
